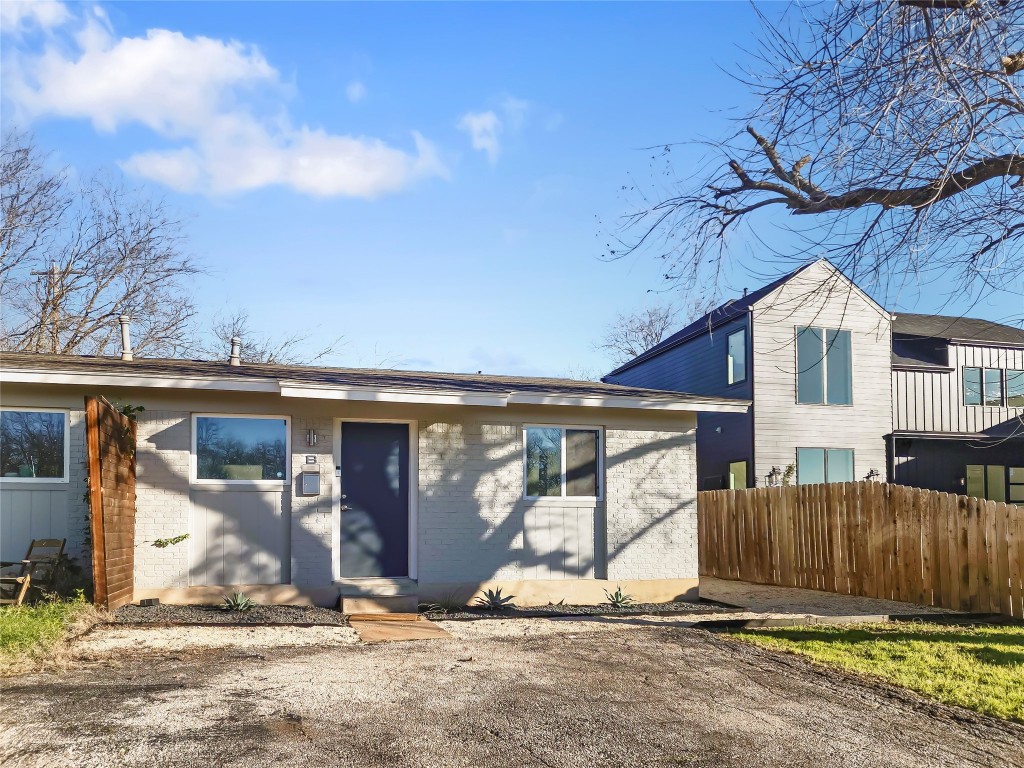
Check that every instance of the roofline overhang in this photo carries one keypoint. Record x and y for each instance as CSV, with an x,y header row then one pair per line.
x,y
962,436
925,368
305,390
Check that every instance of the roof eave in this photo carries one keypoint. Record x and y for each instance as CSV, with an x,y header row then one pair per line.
x,y
299,389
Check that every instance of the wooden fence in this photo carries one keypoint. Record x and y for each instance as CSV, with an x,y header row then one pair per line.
x,y
869,539
110,446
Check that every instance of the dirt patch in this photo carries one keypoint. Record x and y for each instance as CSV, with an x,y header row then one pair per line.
x,y
213,614
595,693
105,641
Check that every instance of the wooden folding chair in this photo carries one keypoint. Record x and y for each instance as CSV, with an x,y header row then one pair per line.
x,y
38,569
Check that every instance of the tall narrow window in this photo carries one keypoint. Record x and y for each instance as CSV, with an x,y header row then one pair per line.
x,y
543,462
810,380
976,480
838,368
736,357
993,386
995,482
972,386
562,462
1014,388
738,474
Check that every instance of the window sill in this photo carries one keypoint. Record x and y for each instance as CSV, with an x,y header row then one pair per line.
x,y
563,501
239,485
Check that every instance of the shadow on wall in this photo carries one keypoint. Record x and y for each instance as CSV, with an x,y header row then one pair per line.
x,y
472,517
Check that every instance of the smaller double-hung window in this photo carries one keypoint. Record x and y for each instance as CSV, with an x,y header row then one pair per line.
x,y
824,465
824,366
34,445
562,462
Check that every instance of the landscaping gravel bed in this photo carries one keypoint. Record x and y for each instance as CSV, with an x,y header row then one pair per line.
x,y
554,611
212,614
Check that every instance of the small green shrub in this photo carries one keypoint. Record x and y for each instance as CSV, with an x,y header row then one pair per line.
x,y
618,598
237,601
492,600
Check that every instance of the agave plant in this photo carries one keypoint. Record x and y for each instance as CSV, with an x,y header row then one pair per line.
x,y
492,600
618,598
237,601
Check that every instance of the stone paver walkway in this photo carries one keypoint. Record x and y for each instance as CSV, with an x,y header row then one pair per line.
x,y
792,601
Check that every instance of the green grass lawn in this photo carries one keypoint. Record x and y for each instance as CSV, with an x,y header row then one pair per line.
x,y
30,632
981,668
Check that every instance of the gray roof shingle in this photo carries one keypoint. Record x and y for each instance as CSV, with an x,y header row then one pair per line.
x,y
426,381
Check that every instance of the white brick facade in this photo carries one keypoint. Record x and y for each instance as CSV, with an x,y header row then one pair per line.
x,y
472,524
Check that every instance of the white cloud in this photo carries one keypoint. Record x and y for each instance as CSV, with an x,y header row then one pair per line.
x,y
16,15
486,128
483,129
355,91
221,103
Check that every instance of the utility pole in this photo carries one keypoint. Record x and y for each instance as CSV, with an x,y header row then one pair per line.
x,y
54,293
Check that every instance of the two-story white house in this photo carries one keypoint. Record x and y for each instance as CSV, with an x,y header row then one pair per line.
x,y
844,390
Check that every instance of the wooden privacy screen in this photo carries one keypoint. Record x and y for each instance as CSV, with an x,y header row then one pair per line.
x,y
869,539
110,444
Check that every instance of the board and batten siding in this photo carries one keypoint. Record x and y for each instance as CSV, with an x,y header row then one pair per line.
x,y
933,401
698,367
819,297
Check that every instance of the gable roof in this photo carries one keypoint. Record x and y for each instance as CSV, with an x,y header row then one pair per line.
x,y
344,383
718,316
956,329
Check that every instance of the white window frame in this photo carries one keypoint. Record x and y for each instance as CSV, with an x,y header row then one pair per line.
x,y
214,483
600,462
67,446
824,366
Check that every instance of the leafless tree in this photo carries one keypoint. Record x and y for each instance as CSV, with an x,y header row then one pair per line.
x,y
288,349
630,335
892,130
75,257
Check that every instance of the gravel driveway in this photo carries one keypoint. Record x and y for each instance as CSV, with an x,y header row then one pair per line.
x,y
566,693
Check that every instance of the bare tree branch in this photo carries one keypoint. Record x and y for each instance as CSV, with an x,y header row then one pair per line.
x,y
893,128
75,258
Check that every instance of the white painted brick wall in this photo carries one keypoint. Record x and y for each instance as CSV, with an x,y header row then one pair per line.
x,y
471,514
312,516
162,498
651,505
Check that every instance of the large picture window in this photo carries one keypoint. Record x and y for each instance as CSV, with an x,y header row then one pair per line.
x,y
985,386
34,445
241,448
824,366
562,462
824,465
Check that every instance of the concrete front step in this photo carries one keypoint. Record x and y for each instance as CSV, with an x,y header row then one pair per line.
x,y
351,604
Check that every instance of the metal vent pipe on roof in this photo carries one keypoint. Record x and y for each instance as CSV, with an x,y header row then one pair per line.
x,y
236,351
126,337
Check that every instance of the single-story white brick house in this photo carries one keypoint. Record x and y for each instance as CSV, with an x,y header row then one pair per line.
x,y
301,484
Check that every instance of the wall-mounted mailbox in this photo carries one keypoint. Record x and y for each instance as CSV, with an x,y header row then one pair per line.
x,y
310,483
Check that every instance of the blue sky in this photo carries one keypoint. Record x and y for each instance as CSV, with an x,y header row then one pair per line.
x,y
434,182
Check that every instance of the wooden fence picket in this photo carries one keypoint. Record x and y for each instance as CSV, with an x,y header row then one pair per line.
x,y
869,539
